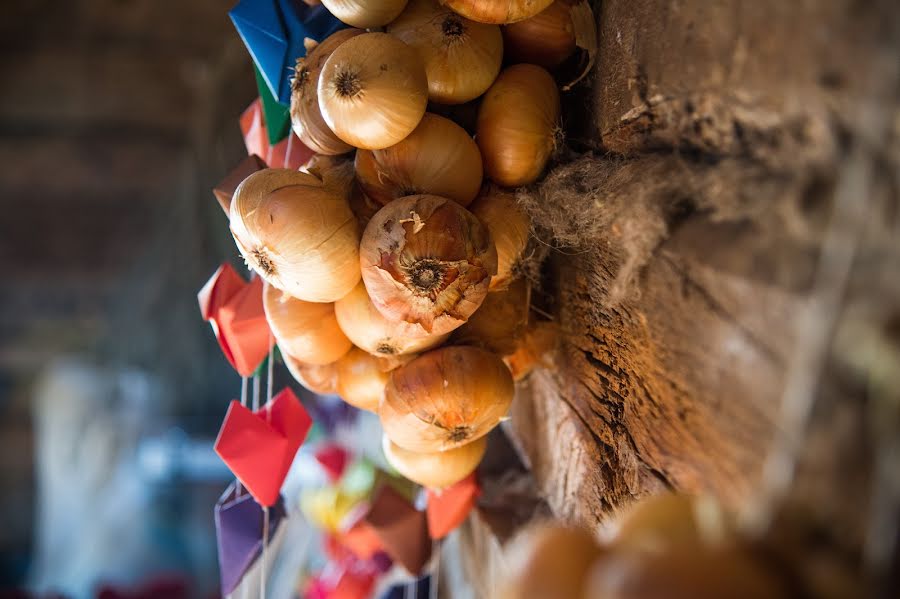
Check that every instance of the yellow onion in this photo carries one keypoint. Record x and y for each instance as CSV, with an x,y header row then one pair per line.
x,y
427,260
445,398
298,233
497,11
438,157
306,117
435,469
462,57
365,14
546,39
362,205
306,330
551,562
320,379
517,124
371,331
500,322
373,91
510,228
361,378
534,349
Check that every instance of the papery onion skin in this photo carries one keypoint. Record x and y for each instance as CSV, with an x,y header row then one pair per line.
x,y
436,469
370,330
517,124
510,228
462,57
365,14
437,158
535,348
308,331
426,260
298,233
547,39
500,322
373,91
445,398
497,11
321,379
306,117
361,378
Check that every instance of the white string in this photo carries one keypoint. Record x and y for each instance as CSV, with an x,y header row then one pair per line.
x,y
237,482
269,381
265,540
436,571
255,392
411,588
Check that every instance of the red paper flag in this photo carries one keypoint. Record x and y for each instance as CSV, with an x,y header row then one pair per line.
x,y
259,447
333,458
225,189
447,509
254,129
353,585
358,535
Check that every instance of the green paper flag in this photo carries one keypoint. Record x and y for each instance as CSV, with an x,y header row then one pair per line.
x,y
276,114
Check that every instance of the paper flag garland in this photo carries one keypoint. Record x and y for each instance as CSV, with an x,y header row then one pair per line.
x,y
234,309
401,528
334,459
274,30
225,189
276,115
287,153
447,509
353,585
259,447
357,534
239,528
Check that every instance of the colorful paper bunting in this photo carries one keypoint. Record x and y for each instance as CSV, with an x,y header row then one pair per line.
x,y
401,528
448,508
334,459
287,153
276,115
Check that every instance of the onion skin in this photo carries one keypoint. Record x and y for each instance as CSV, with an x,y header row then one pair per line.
x,y
307,331
373,91
547,39
298,233
321,379
462,58
445,398
510,228
365,14
361,378
428,261
306,117
534,349
500,322
437,158
517,124
370,330
435,470
497,11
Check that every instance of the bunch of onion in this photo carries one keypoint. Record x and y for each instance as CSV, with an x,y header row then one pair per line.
x,y
361,378
320,379
372,91
535,348
438,158
365,14
445,398
427,261
435,469
500,322
298,233
510,228
461,57
307,331
368,329
306,117
497,11
517,125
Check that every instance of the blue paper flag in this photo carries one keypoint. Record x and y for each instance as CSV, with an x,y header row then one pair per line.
x,y
274,30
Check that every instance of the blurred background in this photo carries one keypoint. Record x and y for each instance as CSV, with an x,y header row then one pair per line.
x,y
117,117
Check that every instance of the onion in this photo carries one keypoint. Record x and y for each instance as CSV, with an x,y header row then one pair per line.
x,y
435,469
307,331
551,562
517,125
427,261
497,11
362,206
438,158
500,322
373,91
306,118
546,39
361,378
534,349
320,379
365,14
445,398
510,228
462,57
371,331
298,233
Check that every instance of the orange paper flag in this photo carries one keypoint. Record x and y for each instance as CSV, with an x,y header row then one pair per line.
x,y
449,508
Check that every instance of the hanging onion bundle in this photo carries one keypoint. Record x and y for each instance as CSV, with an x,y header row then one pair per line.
x,y
320,379
510,228
517,124
535,348
438,158
365,14
445,398
427,261
307,331
435,469
306,117
497,11
298,233
461,57
500,322
373,91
